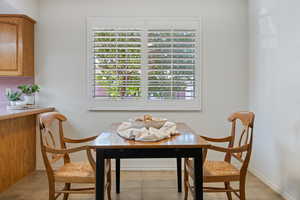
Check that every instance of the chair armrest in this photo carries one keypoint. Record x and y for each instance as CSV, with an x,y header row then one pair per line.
x,y
82,140
225,139
65,151
230,150
73,150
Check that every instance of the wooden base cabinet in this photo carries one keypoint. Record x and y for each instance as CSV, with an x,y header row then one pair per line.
x,y
17,149
16,45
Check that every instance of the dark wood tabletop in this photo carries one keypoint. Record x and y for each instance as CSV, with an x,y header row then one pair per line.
x,y
186,138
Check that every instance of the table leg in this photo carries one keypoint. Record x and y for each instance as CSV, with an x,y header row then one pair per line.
x,y
179,174
198,179
118,165
100,174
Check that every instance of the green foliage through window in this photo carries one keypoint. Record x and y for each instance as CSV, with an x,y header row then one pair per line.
x,y
170,67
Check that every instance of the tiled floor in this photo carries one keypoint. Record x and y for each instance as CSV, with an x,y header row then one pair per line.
x,y
135,185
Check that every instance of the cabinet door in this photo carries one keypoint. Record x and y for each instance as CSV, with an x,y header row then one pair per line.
x,y
9,49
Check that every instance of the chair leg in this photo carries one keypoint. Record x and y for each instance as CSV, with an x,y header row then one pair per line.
x,y
109,192
242,190
179,174
185,182
67,187
109,181
118,166
51,190
227,186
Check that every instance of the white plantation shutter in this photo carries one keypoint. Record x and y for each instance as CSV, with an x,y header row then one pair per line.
x,y
117,63
143,64
171,64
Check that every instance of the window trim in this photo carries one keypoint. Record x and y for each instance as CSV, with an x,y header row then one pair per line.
x,y
142,103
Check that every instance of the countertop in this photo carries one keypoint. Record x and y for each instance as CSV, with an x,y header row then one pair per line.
x,y
11,114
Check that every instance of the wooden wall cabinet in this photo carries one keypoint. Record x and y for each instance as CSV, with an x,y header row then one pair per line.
x,y
16,45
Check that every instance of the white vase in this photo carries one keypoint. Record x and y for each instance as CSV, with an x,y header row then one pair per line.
x,y
12,103
29,99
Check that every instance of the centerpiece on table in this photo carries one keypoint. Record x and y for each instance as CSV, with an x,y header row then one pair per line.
x,y
147,128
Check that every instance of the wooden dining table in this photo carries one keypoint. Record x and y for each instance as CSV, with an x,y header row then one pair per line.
x,y
185,144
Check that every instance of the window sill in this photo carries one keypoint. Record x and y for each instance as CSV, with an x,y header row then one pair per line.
x,y
170,107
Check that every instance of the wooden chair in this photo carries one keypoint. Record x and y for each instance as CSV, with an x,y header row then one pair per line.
x,y
225,171
69,172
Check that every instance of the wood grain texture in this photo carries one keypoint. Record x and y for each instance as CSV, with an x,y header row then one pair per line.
x,y
16,45
12,114
8,45
17,149
186,138
18,16
28,48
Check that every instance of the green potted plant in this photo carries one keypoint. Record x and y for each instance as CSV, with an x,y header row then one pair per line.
x,y
13,97
29,92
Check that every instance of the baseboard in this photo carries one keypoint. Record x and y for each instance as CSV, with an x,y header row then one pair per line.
x,y
269,183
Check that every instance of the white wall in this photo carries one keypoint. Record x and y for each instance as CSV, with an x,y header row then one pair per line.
x,y
61,53
274,93
26,7
4,5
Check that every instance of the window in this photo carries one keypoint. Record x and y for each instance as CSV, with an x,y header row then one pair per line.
x,y
143,64
117,63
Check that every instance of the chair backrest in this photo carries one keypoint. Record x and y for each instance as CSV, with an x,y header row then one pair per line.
x,y
47,138
245,139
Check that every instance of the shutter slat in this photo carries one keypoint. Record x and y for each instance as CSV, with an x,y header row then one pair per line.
x,y
119,86
120,70
102,64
